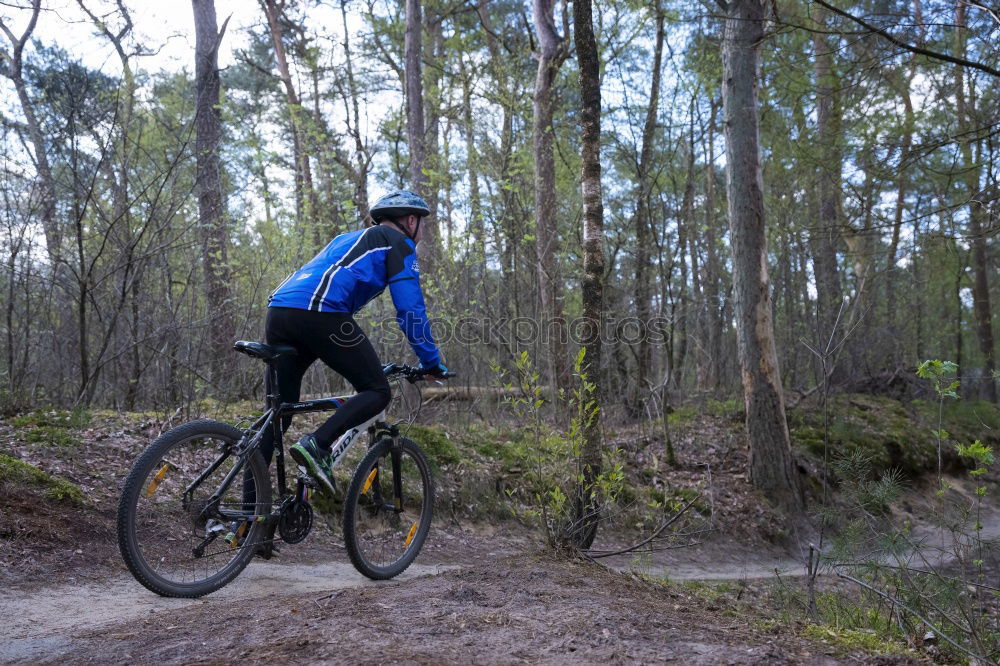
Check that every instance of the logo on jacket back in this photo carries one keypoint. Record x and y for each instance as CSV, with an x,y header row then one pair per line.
x,y
416,266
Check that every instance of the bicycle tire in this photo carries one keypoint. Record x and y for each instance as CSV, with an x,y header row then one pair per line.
x,y
367,520
133,545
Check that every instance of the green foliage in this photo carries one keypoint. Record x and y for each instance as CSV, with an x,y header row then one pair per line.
x,y
14,470
551,458
873,492
680,415
865,639
881,555
878,429
436,442
51,436
732,409
77,418
939,373
52,427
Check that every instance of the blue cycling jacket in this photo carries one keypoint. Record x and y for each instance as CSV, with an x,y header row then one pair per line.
x,y
355,268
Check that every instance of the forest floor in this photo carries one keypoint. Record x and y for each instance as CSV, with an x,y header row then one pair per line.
x,y
481,590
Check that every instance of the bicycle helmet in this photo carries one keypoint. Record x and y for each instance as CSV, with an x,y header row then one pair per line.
x,y
397,204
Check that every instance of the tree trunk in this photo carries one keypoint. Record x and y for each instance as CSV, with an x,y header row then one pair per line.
x,y
713,278
305,193
909,122
208,184
977,213
361,159
593,253
767,430
551,54
13,71
415,130
824,238
684,230
643,220
478,231
434,56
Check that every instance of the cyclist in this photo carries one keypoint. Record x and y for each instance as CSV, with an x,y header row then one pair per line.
x,y
313,309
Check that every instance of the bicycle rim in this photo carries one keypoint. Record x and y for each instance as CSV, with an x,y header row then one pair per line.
x,y
383,534
172,541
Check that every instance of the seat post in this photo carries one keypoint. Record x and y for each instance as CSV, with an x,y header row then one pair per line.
x,y
272,390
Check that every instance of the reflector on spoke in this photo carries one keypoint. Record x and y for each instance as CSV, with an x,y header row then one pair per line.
x,y
368,481
413,530
157,479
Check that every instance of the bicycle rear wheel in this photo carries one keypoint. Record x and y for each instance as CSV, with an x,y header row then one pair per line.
x,y
174,540
388,508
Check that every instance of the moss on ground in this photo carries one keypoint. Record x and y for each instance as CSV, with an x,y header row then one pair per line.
x,y
889,433
51,427
850,640
77,418
51,436
436,442
14,470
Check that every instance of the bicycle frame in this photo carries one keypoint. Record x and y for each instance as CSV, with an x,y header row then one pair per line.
x,y
272,418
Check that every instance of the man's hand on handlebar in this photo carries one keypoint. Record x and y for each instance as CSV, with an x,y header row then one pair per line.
x,y
415,374
439,371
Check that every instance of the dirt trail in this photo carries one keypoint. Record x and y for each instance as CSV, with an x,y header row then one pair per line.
x,y
43,623
520,609
709,564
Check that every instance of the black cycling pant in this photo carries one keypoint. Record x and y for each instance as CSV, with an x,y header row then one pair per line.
x,y
337,340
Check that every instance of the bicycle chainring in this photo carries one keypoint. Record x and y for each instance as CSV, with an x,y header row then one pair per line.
x,y
295,521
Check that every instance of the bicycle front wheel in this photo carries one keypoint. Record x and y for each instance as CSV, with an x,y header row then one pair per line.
x,y
177,538
388,507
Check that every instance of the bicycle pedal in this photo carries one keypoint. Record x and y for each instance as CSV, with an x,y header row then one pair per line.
x,y
307,478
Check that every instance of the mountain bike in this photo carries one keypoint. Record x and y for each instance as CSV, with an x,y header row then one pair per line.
x,y
197,505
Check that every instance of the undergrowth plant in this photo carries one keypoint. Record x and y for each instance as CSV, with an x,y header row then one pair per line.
x,y
552,472
926,583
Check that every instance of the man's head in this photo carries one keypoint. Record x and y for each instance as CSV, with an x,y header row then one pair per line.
x,y
409,225
402,209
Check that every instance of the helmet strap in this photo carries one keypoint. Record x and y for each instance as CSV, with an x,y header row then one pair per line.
x,y
413,236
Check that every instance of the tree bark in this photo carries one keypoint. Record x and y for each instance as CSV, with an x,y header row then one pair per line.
x,y
593,252
981,306
767,430
14,71
415,129
824,238
208,184
643,218
476,220
305,193
361,158
551,54
909,121
684,230
713,278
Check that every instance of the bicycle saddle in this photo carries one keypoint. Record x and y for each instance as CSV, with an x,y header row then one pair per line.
x,y
263,351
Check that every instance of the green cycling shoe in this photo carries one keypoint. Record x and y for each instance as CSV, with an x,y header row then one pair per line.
x,y
308,453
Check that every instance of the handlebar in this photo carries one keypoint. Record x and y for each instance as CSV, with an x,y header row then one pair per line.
x,y
411,373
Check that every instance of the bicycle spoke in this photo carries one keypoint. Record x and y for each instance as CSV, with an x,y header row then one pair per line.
x,y
386,514
192,515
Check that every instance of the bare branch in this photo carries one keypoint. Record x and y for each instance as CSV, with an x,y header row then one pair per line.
x,y
673,519
19,42
910,47
889,597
